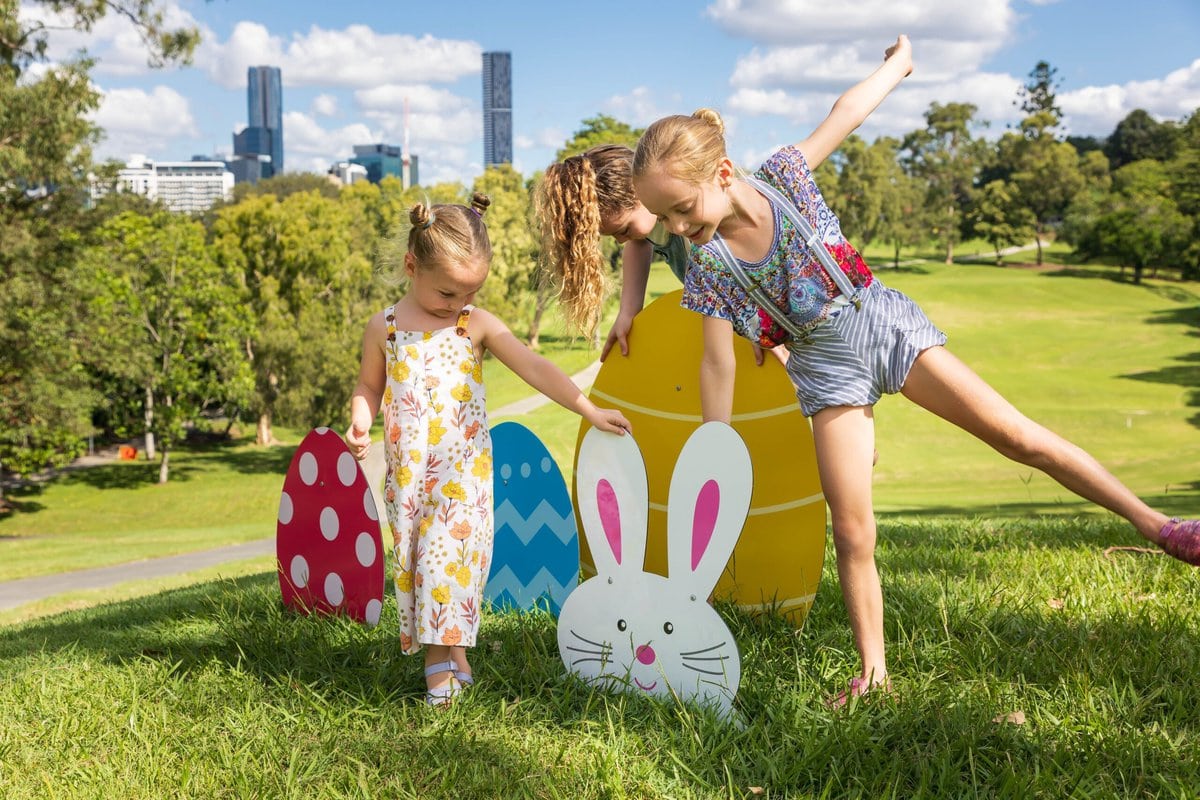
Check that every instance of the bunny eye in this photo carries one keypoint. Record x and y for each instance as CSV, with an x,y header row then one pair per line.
x,y
621,625
668,627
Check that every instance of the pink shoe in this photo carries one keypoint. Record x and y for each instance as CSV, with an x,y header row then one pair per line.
x,y
1181,538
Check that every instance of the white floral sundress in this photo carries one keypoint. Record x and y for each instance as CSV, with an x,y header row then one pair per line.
x,y
439,482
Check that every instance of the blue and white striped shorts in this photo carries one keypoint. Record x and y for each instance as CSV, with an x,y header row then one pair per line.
x,y
855,357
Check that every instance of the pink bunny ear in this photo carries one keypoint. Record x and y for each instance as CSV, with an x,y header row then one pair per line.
x,y
611,494
610,516
706,506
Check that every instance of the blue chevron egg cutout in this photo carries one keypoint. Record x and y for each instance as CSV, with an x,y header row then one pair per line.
x,y
535,555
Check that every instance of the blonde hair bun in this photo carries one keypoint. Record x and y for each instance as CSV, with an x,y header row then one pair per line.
x,y
710,117
420,215
480,203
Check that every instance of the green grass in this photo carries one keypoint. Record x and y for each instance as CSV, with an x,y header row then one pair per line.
x,y
214,691
1000,599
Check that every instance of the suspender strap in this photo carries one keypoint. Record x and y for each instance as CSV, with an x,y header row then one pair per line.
x,y
753,289
812,240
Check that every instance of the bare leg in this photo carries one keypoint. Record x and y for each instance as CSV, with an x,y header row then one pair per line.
x,y
438,654
459,654
845,440
944,385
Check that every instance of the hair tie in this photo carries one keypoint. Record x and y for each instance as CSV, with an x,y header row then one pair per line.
x,y
476,212
428,223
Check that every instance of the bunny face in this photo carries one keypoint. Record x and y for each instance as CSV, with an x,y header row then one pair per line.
x,y
637,630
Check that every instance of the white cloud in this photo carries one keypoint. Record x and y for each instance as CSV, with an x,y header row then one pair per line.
x,y
390,98
144,122
324,105
640,107
807,21
355,56
303,136
1096,110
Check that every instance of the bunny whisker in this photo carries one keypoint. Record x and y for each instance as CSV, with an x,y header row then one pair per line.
x,y
705,650
602,660
601,652
589,641
707,658
704,671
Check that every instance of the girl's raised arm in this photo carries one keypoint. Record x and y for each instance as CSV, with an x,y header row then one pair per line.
x,y
856,104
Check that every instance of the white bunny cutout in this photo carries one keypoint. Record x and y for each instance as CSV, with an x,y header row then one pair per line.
x,y
636,630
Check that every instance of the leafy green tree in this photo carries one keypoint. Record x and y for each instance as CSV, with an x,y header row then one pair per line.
x,y
510,289
168,324
1184,171
946,158
1000,218
288,184
598,130
1045,173
1037,93
311,288
1139,136
45,154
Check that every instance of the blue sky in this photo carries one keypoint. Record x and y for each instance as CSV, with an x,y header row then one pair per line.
x,y
772,67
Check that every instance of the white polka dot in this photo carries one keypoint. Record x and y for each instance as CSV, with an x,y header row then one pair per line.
x,y
374,610
525,470
308,468
324,429
369,504
506,471
347,469
285,508
298,569
364,548
329,523
335,593
546,464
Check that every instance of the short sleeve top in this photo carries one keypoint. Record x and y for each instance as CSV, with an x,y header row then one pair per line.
x,y
790,274
671,248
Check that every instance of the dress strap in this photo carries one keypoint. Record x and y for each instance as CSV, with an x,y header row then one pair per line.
x,y
464,317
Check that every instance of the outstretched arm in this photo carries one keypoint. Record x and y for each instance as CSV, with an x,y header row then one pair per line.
x,y
540,372
857,103
636,256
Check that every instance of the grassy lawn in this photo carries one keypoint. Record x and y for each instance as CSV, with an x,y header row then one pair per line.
x,y
1026,661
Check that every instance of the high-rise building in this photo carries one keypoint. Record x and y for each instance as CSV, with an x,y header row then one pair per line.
x,y
381,160
258,148
184,186
497,108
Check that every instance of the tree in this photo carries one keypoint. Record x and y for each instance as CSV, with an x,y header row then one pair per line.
x,y
311,288
45,154
1139,136
1045,172
999,218
510,289
1037,94
598,130
168,322
946,158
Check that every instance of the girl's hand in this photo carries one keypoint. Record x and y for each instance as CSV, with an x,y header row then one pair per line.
x,y
358,439
618,335
902,52
610,420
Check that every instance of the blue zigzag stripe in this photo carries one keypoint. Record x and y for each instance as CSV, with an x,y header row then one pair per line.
x,y
541,551
504,590
545,515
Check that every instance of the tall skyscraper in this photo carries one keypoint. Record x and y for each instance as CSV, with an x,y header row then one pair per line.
x,y
497,108
258,148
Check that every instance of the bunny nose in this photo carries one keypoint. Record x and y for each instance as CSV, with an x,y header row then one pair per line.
x,y
645,654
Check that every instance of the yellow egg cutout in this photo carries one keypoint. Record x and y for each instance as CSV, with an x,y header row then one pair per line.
x,y
776,565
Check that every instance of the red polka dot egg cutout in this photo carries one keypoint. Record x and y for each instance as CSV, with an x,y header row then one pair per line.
x,y
328,541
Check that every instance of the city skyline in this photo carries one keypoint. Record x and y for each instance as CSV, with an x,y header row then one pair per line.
x,y
772,70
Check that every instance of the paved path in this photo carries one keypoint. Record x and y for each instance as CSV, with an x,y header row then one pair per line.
x,y
27,590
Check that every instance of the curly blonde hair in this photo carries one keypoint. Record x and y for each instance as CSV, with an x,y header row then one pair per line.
x,y
571,201
688,147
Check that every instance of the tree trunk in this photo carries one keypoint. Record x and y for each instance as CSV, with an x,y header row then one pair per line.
x,y
149,419
535,327
896,257
949,251
1039,243
263,433
162,466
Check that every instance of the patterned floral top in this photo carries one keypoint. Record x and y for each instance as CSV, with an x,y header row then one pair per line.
x,y
790,274
438,493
